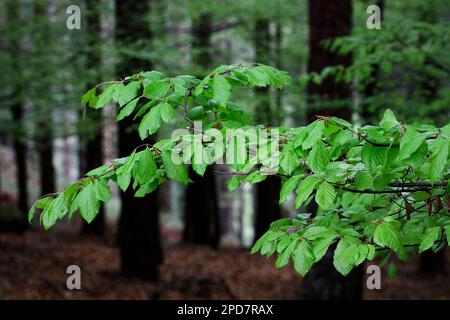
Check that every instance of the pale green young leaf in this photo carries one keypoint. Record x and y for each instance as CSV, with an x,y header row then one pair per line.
x,y
318,157
325,195
127,110
428,239
221,89
303,257
411,141
386,235
156,89
288,186
174,171
305,189
88,203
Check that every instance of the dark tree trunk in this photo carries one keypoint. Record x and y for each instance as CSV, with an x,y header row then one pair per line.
x,y
328,20
201,212
91,142
267,208
139,232
323,282
21,167
17,112
46,168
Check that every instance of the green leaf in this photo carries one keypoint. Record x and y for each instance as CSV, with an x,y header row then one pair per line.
x,y
166,111
314,232
411,141
289,160
128,92
447,234
315,131
88,203
234,183
150,123
127,110
325,195
200,87
101,190
373,156
428,239
156,89
303,257
89,98
105,97
98,171
39,204
386,235
346,255
174,171
318,157
145,166
363,180
221,90
288,186
439,158
389,120
305,189
284,257
321,245
255,177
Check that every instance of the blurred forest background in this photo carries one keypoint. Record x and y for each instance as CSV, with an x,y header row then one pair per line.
x,y
192,242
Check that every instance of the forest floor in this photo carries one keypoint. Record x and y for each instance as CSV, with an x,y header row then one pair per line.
x,y
33,266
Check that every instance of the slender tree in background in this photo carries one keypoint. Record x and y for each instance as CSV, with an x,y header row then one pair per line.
x,y
91,140
267,192
201,215
44,129
369,111
17,109
139,233
329,20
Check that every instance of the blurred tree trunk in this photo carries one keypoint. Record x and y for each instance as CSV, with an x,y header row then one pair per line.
x,y
44,125
20,156
91,142
17,113
201,212
267,191
328,20
139,231
369,111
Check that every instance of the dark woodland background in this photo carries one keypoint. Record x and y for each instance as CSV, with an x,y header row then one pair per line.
x,y
193,242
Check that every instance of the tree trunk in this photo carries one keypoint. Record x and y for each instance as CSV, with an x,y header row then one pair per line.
x,y
21,167
201,212
328,20
267,191
17,113
139,231
91,142
369,111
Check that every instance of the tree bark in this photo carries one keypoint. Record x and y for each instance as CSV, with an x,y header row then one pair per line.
x,y
91,142
201,211
139,231
268,191
329,20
